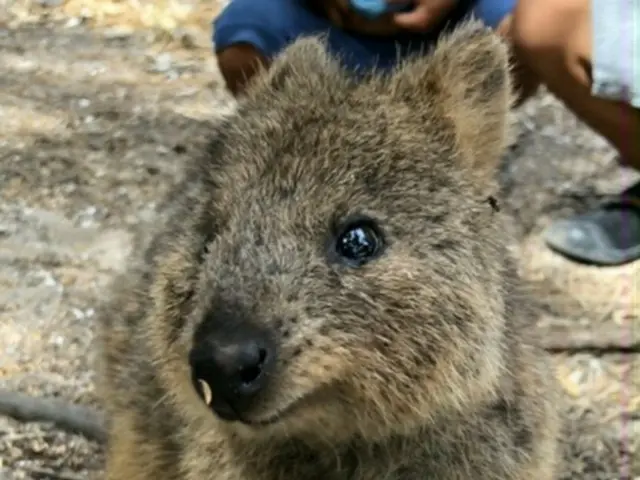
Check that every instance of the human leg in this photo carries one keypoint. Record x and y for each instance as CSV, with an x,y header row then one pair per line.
x,y
498,14
249,33
591,63
555,39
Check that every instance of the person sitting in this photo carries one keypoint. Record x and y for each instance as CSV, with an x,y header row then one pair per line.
x,y
590,62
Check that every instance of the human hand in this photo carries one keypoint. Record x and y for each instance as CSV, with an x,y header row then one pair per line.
x,y
424,15
347,14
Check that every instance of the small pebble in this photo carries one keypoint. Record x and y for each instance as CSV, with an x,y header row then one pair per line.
x,y
117,33
162,63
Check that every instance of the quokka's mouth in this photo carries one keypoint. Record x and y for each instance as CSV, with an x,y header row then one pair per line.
x,y
218,406
281,414
270,420
225,411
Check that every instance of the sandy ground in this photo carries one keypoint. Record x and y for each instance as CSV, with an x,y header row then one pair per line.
x,y
95,120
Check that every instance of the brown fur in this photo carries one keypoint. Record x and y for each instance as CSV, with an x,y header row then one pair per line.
x,y
412,365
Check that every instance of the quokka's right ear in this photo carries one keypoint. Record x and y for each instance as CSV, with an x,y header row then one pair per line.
x,y
467,75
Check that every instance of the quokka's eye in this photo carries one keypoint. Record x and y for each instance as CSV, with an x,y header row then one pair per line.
x,y
359,242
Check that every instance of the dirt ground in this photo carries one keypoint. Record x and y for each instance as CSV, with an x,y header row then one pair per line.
x,y
96,120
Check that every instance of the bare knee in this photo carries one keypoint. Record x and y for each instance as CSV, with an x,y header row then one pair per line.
x,y
553,33
238,64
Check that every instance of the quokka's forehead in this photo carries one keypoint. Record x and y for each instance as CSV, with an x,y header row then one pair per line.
x,y
335,153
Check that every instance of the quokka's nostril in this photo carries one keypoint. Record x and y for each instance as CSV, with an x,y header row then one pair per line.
x,y
262,355
250,374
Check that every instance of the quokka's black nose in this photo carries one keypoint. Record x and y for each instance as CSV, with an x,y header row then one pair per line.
x,y
229,373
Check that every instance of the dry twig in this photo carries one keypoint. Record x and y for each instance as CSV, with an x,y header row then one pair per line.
x,y
600,338
66,416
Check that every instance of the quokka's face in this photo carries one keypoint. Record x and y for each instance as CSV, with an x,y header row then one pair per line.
x,y
342,279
